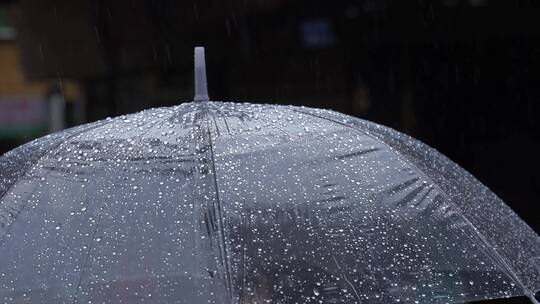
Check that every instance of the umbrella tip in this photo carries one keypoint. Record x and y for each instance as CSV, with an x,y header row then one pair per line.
x,y
201,90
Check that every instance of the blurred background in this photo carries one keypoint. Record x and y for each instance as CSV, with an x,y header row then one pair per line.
x,y
460,75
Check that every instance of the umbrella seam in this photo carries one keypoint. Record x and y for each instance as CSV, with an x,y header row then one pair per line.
x,y
510,271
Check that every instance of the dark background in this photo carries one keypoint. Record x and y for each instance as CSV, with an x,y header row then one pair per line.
x,y
459,75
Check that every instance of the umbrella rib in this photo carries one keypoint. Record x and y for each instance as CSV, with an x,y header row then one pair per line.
x,y
87,259
347,279
219,210
32,167
495,256
88,252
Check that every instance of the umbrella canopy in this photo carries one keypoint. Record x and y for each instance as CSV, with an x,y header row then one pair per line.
x,y
214,202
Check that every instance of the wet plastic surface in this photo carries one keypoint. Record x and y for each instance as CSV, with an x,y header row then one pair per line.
x,y
214,202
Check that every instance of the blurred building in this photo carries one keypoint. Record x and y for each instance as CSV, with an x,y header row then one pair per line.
x,y
29,108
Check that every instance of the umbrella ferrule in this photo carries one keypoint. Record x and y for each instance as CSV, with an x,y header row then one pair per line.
x,y
201,89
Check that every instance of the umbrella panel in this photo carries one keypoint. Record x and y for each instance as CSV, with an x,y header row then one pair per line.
x,y
333,216
219,203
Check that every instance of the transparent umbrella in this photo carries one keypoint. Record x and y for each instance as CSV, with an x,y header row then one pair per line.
x,y
213,202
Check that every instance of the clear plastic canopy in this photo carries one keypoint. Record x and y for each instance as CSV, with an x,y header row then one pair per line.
x,y
212,202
